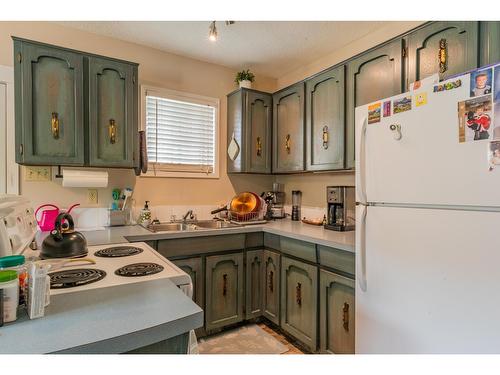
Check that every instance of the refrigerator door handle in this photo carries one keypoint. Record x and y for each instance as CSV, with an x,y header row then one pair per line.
x,y
361,271
362,165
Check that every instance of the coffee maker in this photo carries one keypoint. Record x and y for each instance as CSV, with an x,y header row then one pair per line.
x,y
341,208
275,200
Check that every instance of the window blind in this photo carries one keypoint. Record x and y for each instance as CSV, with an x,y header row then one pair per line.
x,y
180,135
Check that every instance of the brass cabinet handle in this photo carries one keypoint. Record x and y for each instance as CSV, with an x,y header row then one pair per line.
x,y
55,125
287,143
325,137
298,294
112,131
443,55
271,281
345,316
259,146
224,284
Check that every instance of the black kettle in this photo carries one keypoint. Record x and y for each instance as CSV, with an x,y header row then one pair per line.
x,y
64,243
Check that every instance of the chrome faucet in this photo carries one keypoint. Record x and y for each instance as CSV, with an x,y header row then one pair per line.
x,y
188,214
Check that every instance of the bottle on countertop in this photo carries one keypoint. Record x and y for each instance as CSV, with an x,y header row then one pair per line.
x,y
145,216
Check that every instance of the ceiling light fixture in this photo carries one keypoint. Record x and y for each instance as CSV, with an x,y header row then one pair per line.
x,y
212,32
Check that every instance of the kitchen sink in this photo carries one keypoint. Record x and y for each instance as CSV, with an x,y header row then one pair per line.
x,y
192,225
214,224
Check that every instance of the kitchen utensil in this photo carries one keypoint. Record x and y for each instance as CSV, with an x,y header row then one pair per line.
x,y
127,193
46,222
115,194
241,204
64,243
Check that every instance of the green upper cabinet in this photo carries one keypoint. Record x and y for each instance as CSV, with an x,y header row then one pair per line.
x,y
74,108
373,75
49,105
112,123
325,120
446,48
489,42
249,121
288,130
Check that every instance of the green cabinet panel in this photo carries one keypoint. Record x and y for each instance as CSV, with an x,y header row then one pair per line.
x,y
489,42
249,121
49,105
112,130
373,75
254,283
193,267
271,309
456,43
288,130
224,290
337,317
299,301
325,120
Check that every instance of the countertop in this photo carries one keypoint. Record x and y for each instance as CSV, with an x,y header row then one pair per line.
x,y
285,227
107,320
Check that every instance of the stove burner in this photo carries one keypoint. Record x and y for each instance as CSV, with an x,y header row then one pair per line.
x,y
118,251
139,269
75,277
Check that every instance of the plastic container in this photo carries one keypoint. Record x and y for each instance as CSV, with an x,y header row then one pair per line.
x,y
9,296
17,263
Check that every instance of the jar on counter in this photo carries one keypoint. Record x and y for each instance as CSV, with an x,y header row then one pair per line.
x,y
9,296
17,263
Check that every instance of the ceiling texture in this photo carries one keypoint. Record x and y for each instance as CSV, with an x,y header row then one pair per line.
x,y
270,48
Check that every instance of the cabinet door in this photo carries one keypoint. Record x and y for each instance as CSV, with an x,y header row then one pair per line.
x,y
446,48
235,130
336,299
489,42
193,267
299,300
325,120
254,283
258,123
374,75
288,130
49,105
224,290
112,120
271,309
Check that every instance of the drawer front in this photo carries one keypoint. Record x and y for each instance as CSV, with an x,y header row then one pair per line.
x,y
299,249
200,245
337,259
254,240
272,241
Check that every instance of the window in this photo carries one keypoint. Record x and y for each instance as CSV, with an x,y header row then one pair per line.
x,y
181,133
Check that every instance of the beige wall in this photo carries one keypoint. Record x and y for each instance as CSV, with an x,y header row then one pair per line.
x,y
156,68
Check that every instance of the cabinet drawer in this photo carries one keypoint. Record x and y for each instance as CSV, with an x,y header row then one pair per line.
x,y
200,245
272,241
337,259
299,249
254,240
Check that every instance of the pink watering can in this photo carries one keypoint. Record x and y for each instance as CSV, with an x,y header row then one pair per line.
x,y
48,217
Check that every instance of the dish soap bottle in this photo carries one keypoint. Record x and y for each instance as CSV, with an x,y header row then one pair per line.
x,y
145,216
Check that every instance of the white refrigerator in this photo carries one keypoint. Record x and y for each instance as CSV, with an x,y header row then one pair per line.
x,y
428,222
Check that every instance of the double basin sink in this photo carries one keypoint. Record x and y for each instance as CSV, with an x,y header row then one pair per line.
x,y
193,225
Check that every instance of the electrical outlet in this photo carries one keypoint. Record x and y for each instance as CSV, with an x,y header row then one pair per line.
x,y
38,174
92,196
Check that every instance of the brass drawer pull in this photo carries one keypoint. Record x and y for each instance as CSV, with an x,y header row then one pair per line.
x,y
443,55
325,137
112,131
224,284
55,125
259,147
287,143
345,316
298,294
271,281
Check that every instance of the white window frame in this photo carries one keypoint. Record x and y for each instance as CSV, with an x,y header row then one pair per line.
x,y
9,180
193,98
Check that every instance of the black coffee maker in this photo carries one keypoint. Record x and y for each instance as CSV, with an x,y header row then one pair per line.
x,y
341,208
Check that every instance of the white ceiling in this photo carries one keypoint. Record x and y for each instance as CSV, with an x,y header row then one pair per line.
x,y
270,48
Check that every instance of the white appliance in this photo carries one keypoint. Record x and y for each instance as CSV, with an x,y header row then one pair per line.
x,y
428,230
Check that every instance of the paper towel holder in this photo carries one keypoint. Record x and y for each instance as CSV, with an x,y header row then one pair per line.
x,y
59,172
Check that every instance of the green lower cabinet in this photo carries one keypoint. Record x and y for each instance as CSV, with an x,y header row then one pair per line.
x,y
271,308
254,283
299,301
224,290
337,318
194,268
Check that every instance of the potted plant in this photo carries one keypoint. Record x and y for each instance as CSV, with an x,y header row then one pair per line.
x,y
244,78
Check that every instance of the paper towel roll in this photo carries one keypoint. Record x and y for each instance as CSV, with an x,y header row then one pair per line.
x,y
81,178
